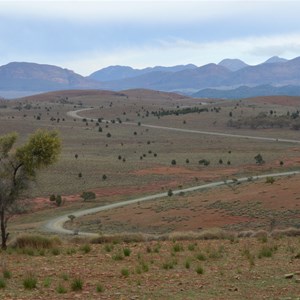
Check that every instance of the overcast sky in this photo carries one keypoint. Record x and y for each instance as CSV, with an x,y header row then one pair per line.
x,y
85,36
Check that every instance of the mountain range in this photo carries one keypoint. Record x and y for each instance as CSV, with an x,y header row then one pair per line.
x,y
223,80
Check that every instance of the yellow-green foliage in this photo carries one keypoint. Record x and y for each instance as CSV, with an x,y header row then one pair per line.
x,y
36,242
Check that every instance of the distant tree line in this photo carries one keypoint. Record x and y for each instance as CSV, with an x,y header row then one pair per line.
x,y
264,120
177,112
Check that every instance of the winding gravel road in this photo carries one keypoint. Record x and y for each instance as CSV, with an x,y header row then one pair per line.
x,y
74,114
56,225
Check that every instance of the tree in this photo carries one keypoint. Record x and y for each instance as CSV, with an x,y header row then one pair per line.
x,y
58,200
18,166
88,196
259,159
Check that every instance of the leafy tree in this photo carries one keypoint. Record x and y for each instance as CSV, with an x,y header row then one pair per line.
x,y
58,200
259,159
71,217
18,168
88,196
52,198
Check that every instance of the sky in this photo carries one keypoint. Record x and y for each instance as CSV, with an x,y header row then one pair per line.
x,y
85,36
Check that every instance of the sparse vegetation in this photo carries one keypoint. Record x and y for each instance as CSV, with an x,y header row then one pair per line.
x,y
30,281
77,284
186,233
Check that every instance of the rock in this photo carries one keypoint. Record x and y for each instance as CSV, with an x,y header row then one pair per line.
x,y
289,276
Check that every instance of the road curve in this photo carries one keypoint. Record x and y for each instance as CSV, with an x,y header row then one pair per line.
x,y
56,225
74,114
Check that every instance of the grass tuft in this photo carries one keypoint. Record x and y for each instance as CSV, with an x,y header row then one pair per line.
x,y
77,284
36,242
30,281
2,283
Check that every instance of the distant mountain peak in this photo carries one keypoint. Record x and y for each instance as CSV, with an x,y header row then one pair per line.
x,y
275,59
125,72
232,64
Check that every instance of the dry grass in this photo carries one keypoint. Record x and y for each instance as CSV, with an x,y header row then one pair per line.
x,y
35,242
244,268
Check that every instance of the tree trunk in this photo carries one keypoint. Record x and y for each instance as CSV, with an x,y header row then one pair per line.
x,y
4,235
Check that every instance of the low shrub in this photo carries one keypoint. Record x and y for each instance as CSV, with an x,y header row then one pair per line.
x,y
2,283
99,288
77,284
86,248
36,242
30,281
126,252
125,272
6,274
61,289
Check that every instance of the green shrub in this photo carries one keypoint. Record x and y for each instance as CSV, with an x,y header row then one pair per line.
x,y
71,251
108,247
41,252
61,289
265,251
118,256
169,264
55,251
126,251
99,288
86,248
6,274
157,248
58,200
88,196
270,180
30,281
77,284
191,247
177,248
47,282
201,256
187,264
204,162
199,270
125,272
145,267
2,283
28,251
65,276
52,198
138,270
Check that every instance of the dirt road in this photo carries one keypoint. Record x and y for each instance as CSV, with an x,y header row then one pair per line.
x,y
56,225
